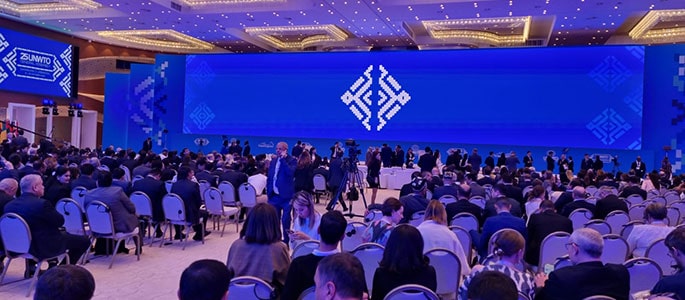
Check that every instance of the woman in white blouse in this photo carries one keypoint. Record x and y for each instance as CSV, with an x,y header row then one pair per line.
x,y
306,219
436,234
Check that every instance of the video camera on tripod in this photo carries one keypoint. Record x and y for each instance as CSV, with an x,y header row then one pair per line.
x,y
349,166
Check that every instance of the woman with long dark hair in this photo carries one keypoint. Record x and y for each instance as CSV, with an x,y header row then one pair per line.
x,y
403,263
304,177
57,186
373,165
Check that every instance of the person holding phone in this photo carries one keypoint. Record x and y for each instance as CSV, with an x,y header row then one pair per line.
x,y
306,219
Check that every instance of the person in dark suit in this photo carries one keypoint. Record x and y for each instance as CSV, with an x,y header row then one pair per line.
x,y
57,185
297,149
189,191
475,161
512,162
427,161
607,203
510,190
550,161
528,160
639,166
280,184
316,158
147,144
120,181
675,241
586,163
490,160
336,174
45,222
386,156
579,201
409,158
490,209
85,179
155,190
203,173
463,205
588,276
398,156
448,187
540,225
633,188
20,141
247,149
503,219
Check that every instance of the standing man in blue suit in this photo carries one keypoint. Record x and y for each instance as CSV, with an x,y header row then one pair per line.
x,y
280,184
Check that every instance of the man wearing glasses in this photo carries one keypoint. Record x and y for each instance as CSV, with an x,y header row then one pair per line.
x,y
588,276
675,241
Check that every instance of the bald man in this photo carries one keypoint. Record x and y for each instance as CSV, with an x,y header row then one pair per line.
x,y
280,184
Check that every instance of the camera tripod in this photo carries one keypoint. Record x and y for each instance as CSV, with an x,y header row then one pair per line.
x,y
355,184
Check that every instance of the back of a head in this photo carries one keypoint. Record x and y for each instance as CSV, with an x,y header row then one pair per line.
x,y
676,239
492,285
503,204
435,211
390,205
87,169
332,227
67,282
589,241
104,179
205,279
579,192
262,225
508,243
345,271
656,211
546,205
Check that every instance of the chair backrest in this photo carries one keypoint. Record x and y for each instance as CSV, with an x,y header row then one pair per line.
x,y
249,288
465,220
616,220
644,274
247,195
168,184
478,200
308,294
616,249
526,190
636,212
204,185
136,178
552,247
417,218
523,296
72,213
563,261
659,253
174,208
373,215
142,203
447,199
599,297
15,233
79,195
447,269
370,254
671,196
353,236
599,225
411,292
213,201
464,238
673,216
127,172
591,189
579,217
227,192
319,182
305,248
634,199
99,218
680,205
628,227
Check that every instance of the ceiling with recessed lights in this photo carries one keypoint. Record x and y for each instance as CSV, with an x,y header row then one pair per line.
x,y
243,26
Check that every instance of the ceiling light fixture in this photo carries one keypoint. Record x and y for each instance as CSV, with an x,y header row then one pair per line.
x,y
169,39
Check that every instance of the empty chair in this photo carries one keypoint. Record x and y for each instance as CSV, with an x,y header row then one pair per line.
x,y
308,294
628,227
204,185
447,269
411,292
78,194
634,199
465,240
659,253
175,214
370,254
591,189
227,193
478,200
465,220
673,216
599,225
615,249
247,195
637,212
447,199
319,182
644,274
16,236
305,248
143,206
579,217
102,226
249,288
73,218
353,236
216,209
616,219
552,247
417,218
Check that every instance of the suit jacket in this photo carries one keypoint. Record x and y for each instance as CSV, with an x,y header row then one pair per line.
x,y
540,226
44,221
500,221
490,161
122,209
527,161
639,171
587,279
156,190
608,204
236,178
399,158
440,191
285,178
464,206
633,189
336,173
205,175
124,185
84,181
189,191
57,191
426,162
316,161
576,204
386,156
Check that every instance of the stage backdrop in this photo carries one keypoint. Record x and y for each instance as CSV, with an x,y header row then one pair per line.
x,y
660,113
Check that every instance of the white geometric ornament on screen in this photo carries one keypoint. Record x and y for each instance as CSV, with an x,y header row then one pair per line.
x,y
392,98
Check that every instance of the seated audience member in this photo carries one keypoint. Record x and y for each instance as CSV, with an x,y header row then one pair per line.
x,y
607,203
85,178
588,276
189,191
339,277
579,201
497,194
406,188
302,269
535,197
656,228
503,219
45,223
675,241
403,263
416,201
448,188
204,279
305,219
540,225
119,180
155,189
632,188
379,230
260,251
567,196
436,234
65,282
492,285
463,205
508,251
57,185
